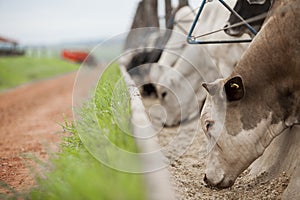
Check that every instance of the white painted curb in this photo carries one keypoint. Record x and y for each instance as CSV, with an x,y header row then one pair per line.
x,y
158,182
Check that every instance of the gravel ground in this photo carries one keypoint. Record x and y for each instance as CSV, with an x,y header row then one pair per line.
x,y
187,171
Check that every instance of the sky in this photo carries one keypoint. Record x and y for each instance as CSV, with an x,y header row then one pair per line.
x,y
57,21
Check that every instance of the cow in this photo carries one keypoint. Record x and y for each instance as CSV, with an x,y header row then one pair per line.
x,y
244,112
176,43
140,74
144,46
142,52
179,71
248,9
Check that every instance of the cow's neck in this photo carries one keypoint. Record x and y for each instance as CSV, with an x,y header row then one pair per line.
x,y
270,68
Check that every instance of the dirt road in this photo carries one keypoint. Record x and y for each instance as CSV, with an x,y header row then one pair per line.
x,y
29,123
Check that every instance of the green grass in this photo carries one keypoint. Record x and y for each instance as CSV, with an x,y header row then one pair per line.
x,y
78,175
74,173
117,99
15,71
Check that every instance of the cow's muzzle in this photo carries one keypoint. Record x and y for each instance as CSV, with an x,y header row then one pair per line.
x,y
224,183
234,31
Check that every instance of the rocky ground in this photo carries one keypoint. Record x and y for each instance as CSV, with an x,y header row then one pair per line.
x,y
187,171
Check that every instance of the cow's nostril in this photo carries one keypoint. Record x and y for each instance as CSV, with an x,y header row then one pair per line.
x,y
226,29
205,179
164,94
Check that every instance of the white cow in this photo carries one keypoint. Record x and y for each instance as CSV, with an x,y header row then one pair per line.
x,y
262,98
181,69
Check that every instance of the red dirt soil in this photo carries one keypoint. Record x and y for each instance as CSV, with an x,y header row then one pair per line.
x,y
29,123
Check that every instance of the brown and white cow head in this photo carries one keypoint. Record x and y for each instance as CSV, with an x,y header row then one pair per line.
x,y
247,9
238,125
262,97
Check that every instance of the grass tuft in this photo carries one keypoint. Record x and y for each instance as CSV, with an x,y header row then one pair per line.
x,y
75,173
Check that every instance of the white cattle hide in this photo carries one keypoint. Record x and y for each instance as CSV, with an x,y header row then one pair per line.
x,y
180,91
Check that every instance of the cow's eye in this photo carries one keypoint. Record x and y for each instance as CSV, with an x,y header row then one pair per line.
x,y
234,89
208,125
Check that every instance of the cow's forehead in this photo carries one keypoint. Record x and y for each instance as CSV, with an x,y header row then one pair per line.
x,y
244,114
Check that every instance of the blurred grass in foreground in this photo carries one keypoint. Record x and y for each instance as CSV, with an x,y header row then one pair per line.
x,y
15,71
74,173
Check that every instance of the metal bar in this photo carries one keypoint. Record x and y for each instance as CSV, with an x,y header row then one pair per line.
x,y
219,41
196,19
193,40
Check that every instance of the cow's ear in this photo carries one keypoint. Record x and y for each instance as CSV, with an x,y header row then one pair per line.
x,y
234,89
211,88
256,1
